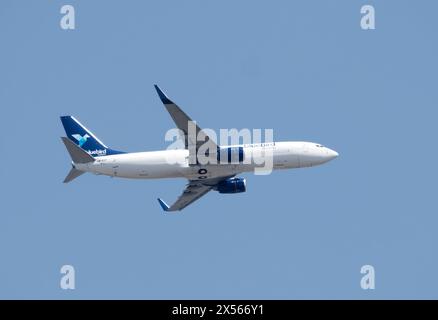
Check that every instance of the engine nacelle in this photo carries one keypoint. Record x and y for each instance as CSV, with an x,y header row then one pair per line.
x,y
232,185
227,155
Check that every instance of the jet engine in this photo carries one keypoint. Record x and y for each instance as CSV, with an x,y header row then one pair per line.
x,y
232,185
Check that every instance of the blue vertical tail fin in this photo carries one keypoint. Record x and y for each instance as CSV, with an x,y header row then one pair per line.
x,y
84,138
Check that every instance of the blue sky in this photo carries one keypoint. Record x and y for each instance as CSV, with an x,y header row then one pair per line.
x,y
302,68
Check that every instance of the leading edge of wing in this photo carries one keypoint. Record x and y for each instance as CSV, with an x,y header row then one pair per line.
x,y
193,191
182,121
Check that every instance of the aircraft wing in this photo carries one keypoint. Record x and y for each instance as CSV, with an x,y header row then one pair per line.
x,y
182,122
193,191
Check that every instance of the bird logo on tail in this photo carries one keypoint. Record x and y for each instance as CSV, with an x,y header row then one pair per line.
x,y
81,139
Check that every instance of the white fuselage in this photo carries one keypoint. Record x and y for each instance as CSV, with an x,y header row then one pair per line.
x,y
175,163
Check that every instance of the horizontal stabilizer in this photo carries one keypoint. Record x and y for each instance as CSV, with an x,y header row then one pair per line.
x,y
73,174
77,154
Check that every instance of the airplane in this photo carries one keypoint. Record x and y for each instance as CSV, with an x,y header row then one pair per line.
x,y
89,154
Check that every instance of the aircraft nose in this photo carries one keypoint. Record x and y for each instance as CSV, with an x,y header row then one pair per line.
x,y
331,154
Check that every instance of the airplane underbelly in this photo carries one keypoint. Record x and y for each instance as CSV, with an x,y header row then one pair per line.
x,y
199,172
141,171
152,171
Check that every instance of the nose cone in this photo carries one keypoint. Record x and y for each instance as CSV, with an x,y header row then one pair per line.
x,y
331,154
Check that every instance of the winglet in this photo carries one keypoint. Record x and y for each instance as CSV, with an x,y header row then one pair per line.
x,y
163,204
162,95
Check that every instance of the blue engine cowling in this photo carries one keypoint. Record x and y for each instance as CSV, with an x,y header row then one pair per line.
x,y
230,155
232,185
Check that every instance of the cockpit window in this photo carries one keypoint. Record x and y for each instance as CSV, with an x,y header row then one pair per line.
x,y
320,146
